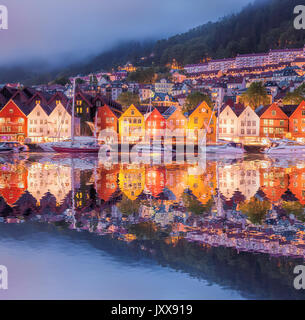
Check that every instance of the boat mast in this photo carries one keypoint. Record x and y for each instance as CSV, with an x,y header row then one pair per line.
x,y
73,112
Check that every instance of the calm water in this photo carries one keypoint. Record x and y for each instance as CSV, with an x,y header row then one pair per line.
x,y
74,228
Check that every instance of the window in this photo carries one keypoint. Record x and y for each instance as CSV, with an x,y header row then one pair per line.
x,y
224,130
195,120
270,130
11,110
270,122
79,102
265,122
253,131
249,123
303,112
57,102
243,123
20,120
232,130
98,103
265,130
273,112
139,121
253,123
132,112
281,122
242,131
232,121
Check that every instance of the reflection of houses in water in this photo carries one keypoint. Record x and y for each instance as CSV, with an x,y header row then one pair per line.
x,y
13,182
273,182
176,179
132,180
242,177
202,183
155,180
297,182
50,178
106,183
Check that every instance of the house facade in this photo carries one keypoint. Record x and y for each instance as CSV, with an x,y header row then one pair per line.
x,y
228,124
132,125
155,125
248,127
203,118
274,123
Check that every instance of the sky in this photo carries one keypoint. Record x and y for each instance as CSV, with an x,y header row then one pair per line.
x,y
57,31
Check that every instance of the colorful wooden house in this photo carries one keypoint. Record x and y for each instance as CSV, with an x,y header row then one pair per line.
x,y
274,122
13,119
107,120
296,121
155,125
175,120
203,118
85,111
132,125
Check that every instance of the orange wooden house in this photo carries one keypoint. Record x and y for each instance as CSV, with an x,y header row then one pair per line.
x,y
274,122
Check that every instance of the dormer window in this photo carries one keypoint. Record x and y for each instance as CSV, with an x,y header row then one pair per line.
x,y
57,102
132,112
79,102
38,101
11,110
273,112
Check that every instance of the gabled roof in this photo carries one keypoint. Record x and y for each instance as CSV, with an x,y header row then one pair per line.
x,y
260,110
169,112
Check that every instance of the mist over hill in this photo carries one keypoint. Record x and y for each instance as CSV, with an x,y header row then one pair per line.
x,y
258,27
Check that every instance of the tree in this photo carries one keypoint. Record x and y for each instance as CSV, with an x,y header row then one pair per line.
x,y
128,98
255,96
255,209
194,99
295,97
193,205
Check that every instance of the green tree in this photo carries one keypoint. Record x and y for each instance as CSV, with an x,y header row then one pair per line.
x,y
255,96
255,209
295,97
194,99
128,98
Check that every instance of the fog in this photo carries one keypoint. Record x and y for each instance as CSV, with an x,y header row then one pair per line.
x,y
60,31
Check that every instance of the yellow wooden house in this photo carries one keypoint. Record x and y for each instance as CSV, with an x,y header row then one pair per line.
x,y
203,117
132,125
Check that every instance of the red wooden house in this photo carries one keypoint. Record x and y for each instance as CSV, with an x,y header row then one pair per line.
x,y
155,125
107,119
13,118
155,180
274,122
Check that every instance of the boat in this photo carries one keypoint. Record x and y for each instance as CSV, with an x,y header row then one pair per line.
x,y
76,148
284,147
12,146
225,148
146,148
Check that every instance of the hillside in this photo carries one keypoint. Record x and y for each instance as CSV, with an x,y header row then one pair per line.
x,y
258,27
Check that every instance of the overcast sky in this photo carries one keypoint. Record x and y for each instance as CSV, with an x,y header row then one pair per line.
x,y
55,30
